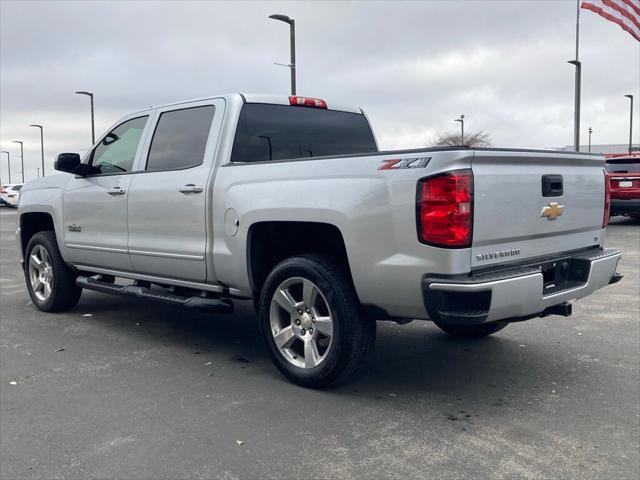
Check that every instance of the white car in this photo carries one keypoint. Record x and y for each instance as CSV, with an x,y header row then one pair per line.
x,y
10,194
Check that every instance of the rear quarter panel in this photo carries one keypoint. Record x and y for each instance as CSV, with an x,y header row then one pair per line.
x,y
373,209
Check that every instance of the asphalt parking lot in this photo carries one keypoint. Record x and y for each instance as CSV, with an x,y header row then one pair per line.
x,y
126,390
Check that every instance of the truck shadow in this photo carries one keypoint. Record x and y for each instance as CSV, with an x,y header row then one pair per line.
x,y
409,360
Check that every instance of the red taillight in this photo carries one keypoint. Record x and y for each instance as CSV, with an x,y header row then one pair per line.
x,y
445,209
607,200
307,102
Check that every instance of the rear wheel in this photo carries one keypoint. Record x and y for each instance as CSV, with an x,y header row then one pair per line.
x,y
311,322
472,331
51,284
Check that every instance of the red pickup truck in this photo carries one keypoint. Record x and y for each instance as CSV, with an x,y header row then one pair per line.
x,y
623,170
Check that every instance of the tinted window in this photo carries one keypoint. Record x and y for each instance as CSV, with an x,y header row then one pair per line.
x,y
117,150
16,188
623,165
278,132
180,139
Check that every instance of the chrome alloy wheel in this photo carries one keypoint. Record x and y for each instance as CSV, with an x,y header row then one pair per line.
x,y
301,322
40,273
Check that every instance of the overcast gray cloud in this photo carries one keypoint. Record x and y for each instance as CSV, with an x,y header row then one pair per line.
x,y
414,66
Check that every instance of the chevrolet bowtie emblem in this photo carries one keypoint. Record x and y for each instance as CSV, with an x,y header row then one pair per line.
x,y
552,211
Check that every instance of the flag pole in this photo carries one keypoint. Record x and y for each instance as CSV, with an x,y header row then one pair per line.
x,y
577,28
578,65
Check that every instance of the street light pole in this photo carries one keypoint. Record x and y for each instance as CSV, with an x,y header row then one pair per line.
x,y
292,40
8,163
576,111
41,145
461,120
39,172
630,97
93,128
590,132
578,83
21,157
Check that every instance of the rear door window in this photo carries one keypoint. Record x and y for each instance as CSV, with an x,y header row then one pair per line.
x,y
180,139
278,132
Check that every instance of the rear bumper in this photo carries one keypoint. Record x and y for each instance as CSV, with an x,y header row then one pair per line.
x,y
625,207
518,293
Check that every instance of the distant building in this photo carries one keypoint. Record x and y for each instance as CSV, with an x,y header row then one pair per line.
x,y
612,148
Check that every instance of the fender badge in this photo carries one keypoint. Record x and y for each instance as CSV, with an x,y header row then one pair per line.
x,y
552,211
400,163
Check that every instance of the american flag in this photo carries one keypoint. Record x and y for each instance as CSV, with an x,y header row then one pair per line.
x,y
625,13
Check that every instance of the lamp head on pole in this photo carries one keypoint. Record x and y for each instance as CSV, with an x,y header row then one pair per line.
x,y
629,96
17,141
82,92
37,126
282,18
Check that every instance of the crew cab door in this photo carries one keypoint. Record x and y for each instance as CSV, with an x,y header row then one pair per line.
x,y
168,225
95,206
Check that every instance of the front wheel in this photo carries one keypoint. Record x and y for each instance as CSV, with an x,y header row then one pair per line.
x,y
472,331
311,321
51,284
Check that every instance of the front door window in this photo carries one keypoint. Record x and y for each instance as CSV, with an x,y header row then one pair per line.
x,y
117,150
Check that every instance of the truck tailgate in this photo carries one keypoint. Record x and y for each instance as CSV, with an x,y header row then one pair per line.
x,y
521,211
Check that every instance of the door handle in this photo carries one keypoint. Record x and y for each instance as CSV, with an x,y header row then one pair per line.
x,y
191,188
117,191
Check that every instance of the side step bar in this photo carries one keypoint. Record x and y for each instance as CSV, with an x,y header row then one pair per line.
x,y
213,305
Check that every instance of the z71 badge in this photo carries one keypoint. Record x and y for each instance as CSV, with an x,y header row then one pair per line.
x,y
398,163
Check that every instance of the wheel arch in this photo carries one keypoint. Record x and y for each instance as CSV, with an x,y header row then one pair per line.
x,y
32,223
270,242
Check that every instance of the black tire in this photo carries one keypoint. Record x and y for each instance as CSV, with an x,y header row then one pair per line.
x,y
65,294
353,336
472,331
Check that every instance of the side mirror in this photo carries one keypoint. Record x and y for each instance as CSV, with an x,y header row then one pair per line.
x,y
68,162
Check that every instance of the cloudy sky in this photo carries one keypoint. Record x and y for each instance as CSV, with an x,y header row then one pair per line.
x,y
413,66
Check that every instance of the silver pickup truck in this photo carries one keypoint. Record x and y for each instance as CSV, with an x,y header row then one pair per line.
x,y
288,202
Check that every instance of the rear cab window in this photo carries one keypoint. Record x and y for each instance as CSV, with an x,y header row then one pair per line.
x,y
267,132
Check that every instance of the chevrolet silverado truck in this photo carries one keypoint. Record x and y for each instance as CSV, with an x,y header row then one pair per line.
x,y
287,201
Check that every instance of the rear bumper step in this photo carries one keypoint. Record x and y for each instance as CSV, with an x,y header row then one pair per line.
x,y
520,293
213,305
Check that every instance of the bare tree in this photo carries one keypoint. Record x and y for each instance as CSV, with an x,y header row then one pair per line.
x,y
472,139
